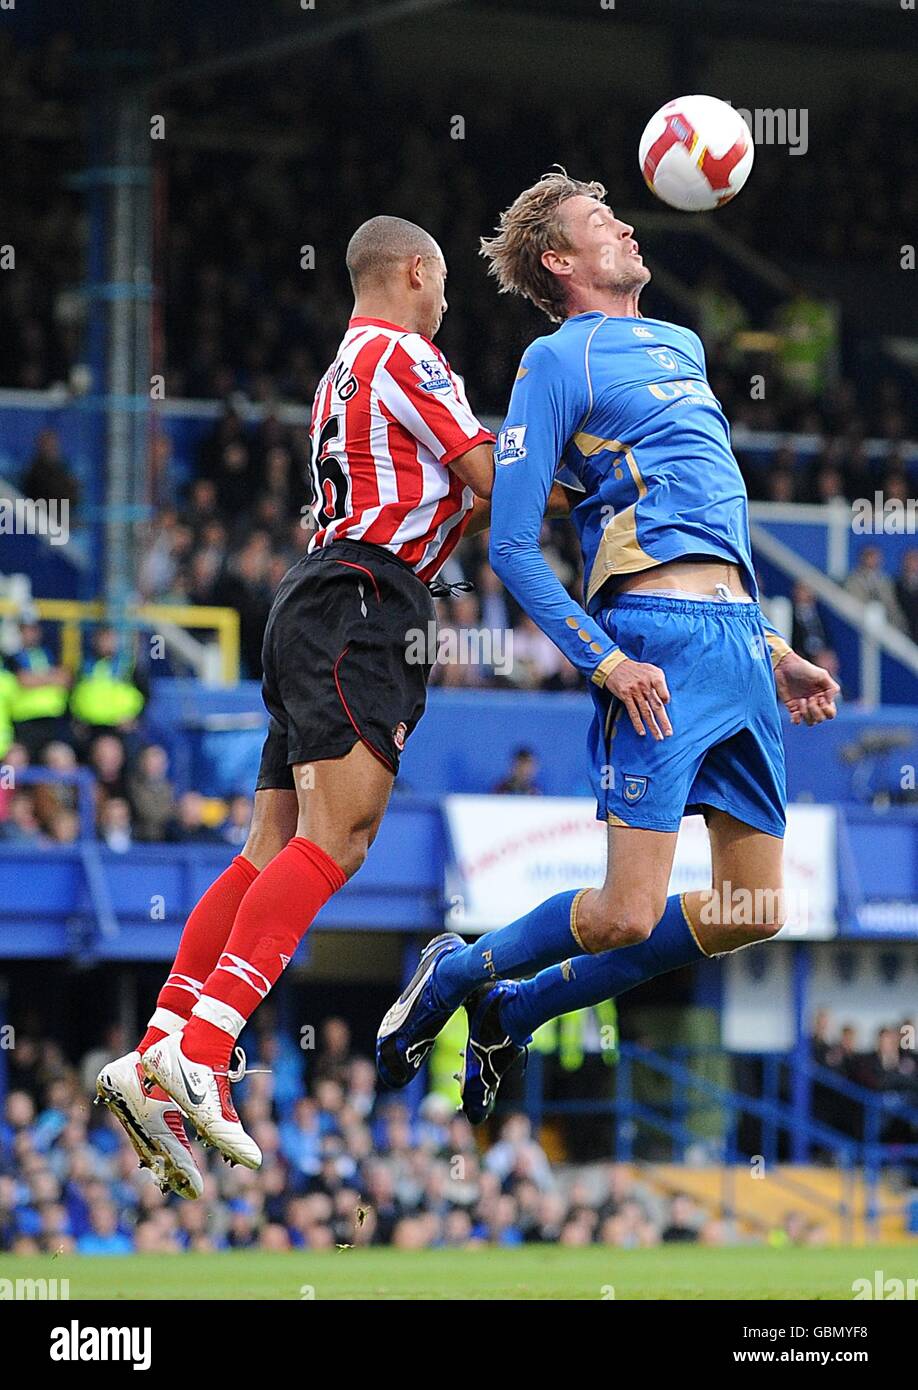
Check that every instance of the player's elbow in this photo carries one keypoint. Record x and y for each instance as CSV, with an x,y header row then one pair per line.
x,y
483,486
503,554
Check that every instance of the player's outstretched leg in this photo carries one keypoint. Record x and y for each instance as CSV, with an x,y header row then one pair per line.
x,y
341,803
561,928
150,1117
503,1018
450,970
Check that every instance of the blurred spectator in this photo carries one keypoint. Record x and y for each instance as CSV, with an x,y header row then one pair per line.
x,y
115,824
521,778
683,1223
820,1043
907,592
245,587
21,824
535,656
63,826
188,825
50,798
235,829
48,477
721,316
333,1060
843,1056
888,1068
107,764
808,329
150,794
107,693
39,705
868,583
103,1236
809,636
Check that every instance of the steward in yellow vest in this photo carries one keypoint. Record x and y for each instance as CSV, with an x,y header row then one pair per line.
x,y
39,703
106,694
9,688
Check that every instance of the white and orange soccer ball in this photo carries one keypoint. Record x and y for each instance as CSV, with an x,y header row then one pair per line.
x,y
696,153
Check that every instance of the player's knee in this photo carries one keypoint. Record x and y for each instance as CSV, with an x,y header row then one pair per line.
x,y
350,851
759,918
769,920
262,844
626,925
769,913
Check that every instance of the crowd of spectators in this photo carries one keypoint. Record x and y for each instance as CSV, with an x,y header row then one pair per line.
x,y
247,307
342,1167
132,799
248,316
889,1067
104,779
228,535
241,523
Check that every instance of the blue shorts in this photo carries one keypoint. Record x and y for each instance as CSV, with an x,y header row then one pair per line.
x,y
726,749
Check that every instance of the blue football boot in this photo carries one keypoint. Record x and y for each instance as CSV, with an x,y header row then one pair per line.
x,y
489,1053
410,1027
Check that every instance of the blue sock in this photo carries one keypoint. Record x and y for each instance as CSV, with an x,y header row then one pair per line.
x,y
565,987
540,938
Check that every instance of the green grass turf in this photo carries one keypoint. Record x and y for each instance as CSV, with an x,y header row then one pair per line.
x,y
533,1272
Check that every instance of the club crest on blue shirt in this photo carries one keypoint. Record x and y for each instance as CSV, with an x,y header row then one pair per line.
x,y
432,374
633,788
510,444
664,358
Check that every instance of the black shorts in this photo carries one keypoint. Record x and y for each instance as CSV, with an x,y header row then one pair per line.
x,y
347,654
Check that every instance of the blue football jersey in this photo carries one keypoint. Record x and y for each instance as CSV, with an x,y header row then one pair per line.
x,y
621,408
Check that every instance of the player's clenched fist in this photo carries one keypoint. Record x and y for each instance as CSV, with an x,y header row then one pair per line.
x,y
808,691
643,691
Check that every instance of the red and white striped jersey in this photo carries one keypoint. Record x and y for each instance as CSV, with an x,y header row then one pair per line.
x,y
388,417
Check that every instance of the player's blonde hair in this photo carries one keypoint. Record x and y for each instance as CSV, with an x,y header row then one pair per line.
x,y
530,226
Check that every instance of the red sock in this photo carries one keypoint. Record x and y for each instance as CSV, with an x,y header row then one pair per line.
x,y
273,918
206,933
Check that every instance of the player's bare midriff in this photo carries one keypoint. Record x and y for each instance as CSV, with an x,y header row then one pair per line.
x,y
696,574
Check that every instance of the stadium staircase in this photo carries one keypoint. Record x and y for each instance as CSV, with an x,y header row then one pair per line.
x,y
854,1190
760,1199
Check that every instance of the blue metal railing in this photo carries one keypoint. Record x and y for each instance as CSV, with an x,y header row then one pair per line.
x,y
863,1150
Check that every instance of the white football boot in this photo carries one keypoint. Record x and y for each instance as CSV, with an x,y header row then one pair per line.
x,y
152,1122
204,1095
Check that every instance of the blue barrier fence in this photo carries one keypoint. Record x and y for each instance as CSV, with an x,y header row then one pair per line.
x,y
87,901
784,1130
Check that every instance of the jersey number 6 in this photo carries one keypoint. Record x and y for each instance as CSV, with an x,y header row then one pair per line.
x,y
331,477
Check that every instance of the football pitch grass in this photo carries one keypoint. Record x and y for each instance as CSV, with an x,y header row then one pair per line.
x,y
526,1272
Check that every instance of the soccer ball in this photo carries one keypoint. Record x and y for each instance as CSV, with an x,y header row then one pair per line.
x,y
696,153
